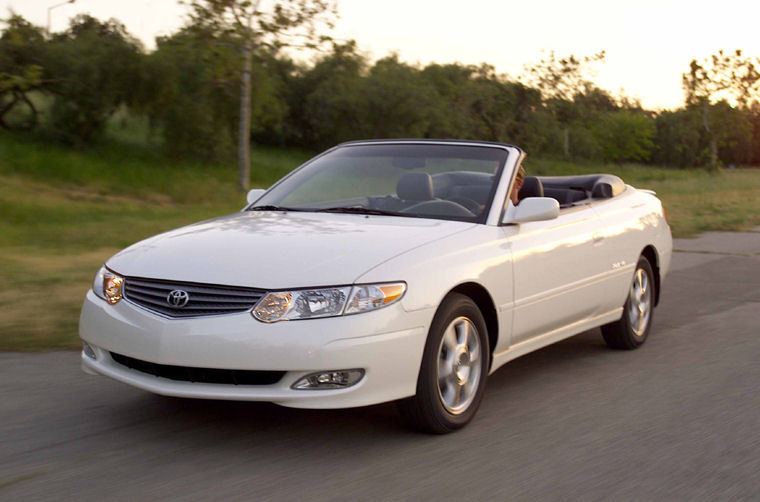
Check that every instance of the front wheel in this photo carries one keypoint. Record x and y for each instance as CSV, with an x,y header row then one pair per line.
x,y
631,331
454,369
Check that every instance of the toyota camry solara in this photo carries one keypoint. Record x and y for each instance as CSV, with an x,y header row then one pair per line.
x,y
380,271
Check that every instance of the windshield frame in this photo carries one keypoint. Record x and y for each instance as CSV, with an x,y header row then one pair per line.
x,y
492,209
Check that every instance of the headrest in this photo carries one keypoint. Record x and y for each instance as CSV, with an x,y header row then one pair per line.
x,y
415,186
532,187
602,190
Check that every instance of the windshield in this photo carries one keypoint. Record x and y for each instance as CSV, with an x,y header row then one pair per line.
x,y
442,181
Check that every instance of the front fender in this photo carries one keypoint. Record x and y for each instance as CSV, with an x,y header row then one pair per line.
x,y
481,255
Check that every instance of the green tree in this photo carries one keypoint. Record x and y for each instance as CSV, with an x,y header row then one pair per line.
x,y
92,70
735,141
753,116
190,95
498,105
269,98
398,101
560,80
476,102
721,76
677,139
625,136
251,26
326,102
22,56
451,112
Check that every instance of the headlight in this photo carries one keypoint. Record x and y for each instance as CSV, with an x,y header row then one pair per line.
x,y
326,302
108,285
301,304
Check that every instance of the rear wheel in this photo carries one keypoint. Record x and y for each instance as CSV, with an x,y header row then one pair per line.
x,y
631,331
454,369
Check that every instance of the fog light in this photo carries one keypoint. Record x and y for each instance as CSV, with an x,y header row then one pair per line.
x,y
88,350
335,379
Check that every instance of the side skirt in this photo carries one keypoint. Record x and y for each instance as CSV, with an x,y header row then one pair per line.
x,y
551,337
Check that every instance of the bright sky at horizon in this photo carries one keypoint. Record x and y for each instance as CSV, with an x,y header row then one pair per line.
x,y
648,43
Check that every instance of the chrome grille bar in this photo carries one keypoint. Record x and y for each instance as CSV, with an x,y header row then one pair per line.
x,y
204,299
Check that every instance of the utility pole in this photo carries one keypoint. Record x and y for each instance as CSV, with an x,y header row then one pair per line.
x,y
53,7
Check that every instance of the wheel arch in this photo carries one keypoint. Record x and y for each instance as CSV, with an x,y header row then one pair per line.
x,y
650,253
482,298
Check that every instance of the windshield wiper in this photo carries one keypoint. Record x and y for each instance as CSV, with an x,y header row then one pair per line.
x,y
357,210
347,210
274,208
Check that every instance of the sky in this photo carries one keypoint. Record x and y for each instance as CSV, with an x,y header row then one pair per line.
x,y
648,43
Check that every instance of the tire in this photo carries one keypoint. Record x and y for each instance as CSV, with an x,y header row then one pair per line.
x,y
631,331
454,369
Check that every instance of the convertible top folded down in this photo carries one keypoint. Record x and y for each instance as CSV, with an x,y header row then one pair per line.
x,y
567,190
600,186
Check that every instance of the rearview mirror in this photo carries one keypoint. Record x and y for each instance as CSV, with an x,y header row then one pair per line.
x,y
254,194
534,209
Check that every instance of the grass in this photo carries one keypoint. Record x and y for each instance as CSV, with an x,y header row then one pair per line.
x,y
63,212
137,171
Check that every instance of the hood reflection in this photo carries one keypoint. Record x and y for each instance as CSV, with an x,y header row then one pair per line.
x,y
274,249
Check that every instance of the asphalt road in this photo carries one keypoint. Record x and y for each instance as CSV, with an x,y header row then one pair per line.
x,y
678,419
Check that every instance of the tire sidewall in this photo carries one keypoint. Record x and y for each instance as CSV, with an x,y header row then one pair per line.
x,y
636,340
455,305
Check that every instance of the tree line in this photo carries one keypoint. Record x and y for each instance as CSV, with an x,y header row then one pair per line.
x,y
190,88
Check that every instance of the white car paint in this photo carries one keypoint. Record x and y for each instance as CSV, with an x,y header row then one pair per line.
x,y
274,250
546,280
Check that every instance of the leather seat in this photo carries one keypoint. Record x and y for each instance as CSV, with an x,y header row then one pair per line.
x,y
415,187
532,187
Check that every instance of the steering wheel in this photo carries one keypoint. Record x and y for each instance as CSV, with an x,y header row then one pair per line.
x,y
439,207
470,204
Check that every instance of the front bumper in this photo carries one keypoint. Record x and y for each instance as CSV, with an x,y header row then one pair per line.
x,y
387,344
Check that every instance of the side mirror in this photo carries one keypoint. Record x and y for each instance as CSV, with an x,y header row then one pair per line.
x,y
535,209
254,194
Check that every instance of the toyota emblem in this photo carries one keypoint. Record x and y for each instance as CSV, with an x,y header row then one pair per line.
x,y
178,298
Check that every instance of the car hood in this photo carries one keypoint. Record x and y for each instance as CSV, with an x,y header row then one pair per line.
x,y
274,250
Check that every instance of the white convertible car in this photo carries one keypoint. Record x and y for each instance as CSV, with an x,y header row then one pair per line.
x,y
380,271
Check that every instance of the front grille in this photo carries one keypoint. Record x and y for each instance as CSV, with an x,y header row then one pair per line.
x,y
201,375
204,299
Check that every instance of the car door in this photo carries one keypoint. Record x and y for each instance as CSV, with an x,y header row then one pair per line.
x,y
556,266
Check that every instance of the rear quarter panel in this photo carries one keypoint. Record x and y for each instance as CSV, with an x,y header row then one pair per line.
x,y
631,222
